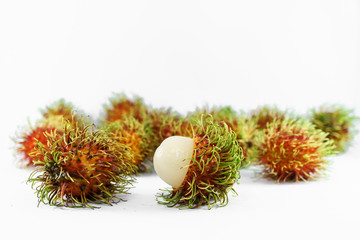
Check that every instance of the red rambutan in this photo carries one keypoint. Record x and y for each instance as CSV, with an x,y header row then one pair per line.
x,y
80,166
122,106
135,136
27,142
293,150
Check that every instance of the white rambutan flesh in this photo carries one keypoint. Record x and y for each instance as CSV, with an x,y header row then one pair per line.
x,y
172,158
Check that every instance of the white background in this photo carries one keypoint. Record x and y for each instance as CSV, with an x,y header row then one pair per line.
x,y
182,54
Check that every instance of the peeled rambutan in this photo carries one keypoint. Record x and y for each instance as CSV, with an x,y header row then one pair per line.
x,y
293,150
338,122
80,167
122,106
202,169
135,136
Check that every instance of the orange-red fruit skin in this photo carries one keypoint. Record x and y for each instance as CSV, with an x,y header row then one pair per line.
x,y
290,151
29,141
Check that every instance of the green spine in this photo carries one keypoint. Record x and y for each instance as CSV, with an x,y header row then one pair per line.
x,y
213,170
79,167
293,150
338,122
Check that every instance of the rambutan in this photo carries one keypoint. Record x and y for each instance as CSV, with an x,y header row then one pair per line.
x,y
237,121
166,123
202,169
53,117
220,114
28,140
246,133
135,136
264,115
79,167
59,111
338,122
60,108
293,150
122,106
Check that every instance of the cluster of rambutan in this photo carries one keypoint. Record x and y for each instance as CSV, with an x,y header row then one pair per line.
x,y
286,146
79,163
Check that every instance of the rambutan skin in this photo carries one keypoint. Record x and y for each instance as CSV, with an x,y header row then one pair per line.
x,y
220,114
171,125
59,108
338,122
53,117
245,128
122,106
29,140
79,167
135,136
264,115
213,170
293,150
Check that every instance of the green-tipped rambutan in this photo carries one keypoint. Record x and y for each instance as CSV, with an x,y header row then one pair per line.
x,y
338,122
166,123
53,117
266,114
135,136
246,133
28,140
80,167
243,127
202,169
220,114
121,107
293,150
60,110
